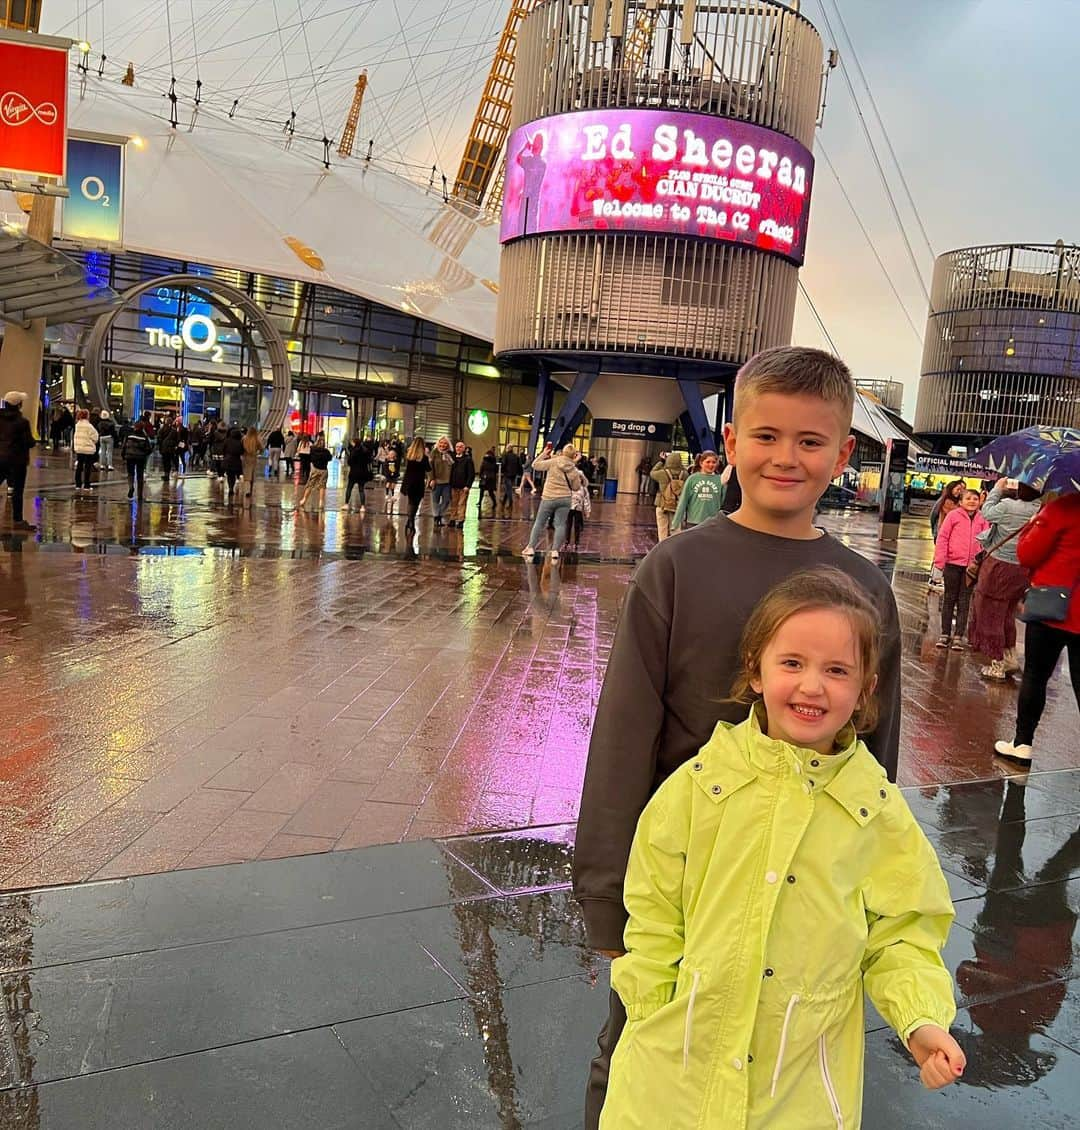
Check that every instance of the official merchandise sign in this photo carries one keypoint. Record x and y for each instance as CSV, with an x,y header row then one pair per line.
x,y
94,211
631,429
658,171
951,465
33,108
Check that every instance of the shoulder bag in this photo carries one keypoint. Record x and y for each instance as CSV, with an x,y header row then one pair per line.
x,y
972,571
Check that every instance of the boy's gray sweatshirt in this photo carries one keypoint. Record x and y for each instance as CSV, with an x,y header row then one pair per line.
x,y
673,660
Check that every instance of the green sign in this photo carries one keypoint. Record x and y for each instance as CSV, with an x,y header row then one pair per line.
x,y
478,421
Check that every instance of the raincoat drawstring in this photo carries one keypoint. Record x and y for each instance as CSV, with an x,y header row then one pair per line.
x,y
690,1019
783,1045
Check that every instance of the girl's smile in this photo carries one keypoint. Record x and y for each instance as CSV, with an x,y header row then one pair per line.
x,y
811,679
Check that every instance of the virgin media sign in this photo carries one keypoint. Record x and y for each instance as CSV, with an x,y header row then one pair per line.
x,y
658,171
33,108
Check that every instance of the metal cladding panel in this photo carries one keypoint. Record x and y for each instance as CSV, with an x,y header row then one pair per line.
x,y
651,295
1002,346
658,294
758,62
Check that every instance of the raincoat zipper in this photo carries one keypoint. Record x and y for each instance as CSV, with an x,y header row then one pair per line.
x,y
783,1044
690,1018
830,1090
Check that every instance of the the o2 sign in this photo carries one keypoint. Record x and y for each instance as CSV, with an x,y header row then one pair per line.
x,y
93,189
197,333
93,214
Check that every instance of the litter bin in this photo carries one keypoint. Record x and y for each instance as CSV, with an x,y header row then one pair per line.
x,y
611,489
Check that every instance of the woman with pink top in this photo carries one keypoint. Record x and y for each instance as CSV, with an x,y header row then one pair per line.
x,y
956,548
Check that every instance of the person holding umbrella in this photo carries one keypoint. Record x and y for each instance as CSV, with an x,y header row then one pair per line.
x,y
1047,459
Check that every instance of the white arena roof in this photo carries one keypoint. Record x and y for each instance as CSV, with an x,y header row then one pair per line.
x,y
225,195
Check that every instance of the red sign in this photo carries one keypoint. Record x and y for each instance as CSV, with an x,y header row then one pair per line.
x,y
33,108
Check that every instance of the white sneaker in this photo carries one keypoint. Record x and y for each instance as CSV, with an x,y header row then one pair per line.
x,y
528,551
554,555
1018,753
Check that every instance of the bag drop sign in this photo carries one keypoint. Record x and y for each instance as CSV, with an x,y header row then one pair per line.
x,y
631,429
33,108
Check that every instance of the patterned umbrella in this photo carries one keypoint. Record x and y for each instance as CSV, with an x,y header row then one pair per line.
x,y
1047,459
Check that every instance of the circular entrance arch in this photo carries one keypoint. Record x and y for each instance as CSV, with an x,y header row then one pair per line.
x,y
228,299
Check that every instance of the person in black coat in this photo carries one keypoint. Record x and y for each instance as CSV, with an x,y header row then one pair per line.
x,y
489,480
233,458
16,440
511,472
135,450
360,473
414,480
462,477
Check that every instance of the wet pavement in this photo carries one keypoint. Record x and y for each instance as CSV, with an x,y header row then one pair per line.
x,y
447,984
188,686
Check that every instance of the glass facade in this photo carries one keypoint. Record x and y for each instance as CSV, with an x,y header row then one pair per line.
x,y
363,365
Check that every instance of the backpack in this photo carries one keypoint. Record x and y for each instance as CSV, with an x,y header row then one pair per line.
x,y
670,492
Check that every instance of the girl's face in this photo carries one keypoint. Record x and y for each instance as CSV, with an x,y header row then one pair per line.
x,y
971,501
956,492
708,464
811,679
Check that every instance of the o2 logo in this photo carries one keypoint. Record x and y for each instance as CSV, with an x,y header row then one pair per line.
x,y
194,324
93,189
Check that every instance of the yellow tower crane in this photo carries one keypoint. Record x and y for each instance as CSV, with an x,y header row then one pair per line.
x,y
491,126
348,136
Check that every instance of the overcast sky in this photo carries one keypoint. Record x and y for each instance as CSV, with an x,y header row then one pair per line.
x,y
979,98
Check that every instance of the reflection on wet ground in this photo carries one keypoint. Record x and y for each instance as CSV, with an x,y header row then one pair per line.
x,y
446,984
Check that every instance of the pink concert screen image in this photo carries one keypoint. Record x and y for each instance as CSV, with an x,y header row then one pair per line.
x,y
658,171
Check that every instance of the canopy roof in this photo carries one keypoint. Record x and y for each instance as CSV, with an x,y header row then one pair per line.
x,y
870,420
222,194
40,282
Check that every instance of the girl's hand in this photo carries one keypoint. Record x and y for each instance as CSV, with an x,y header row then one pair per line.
x,y
940,1058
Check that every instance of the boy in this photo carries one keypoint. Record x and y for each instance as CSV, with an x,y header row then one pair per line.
x,y
675,652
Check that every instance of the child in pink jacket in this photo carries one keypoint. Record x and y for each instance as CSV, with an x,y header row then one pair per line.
x,y
956,547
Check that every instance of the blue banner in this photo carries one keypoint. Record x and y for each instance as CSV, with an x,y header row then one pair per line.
x,y
94,213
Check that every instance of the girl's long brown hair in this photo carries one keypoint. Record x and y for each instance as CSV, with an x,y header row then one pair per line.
x,y
808,590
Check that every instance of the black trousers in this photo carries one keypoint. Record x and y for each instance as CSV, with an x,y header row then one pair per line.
x,y
596,1090
1043,645
415,498
354,481
577,524
956,599
84,466
489,490
14,474
136,472
305,468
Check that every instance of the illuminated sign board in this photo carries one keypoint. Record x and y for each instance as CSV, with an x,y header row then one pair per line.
x,y
33,108
658,171
94,211
478,421
197,333
631,429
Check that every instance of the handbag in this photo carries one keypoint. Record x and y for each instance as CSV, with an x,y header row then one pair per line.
x,y
1046,603
971,573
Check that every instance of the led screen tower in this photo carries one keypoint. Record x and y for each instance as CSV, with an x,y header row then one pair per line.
x,y
657,192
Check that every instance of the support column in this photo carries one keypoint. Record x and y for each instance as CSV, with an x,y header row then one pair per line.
x,y
573,409
695,422
24,347
538,412
623,463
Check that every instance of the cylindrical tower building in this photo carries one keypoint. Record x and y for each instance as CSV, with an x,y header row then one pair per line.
x,y
1002,348
658,179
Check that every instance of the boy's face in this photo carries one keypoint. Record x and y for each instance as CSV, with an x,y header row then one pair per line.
x,y
787,450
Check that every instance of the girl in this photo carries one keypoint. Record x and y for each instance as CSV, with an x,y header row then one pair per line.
x,y
772,879
702,494
957,545
414,481
489,480
947,501
253,445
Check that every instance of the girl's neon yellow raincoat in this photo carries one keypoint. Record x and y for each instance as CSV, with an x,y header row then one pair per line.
x,y
766,886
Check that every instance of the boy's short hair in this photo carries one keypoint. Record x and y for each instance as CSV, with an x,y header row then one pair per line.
x,y
795,370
